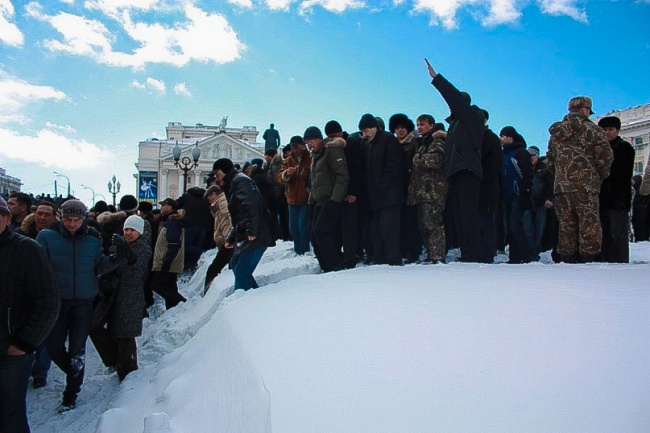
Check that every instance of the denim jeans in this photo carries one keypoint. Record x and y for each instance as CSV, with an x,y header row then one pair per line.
x,y
14,377
519,226
42,363
243,265
300,227
540,225
73,326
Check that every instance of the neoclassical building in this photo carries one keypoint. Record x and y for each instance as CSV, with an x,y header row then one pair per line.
x,y
635,128
8,184
158,176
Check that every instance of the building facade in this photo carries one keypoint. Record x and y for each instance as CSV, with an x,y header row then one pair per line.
x,y
635,128
159,178
8,184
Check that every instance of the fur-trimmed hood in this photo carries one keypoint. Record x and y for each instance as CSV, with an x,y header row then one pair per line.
x,y
334,142
175,215
27,222
277,159
440,135
110,217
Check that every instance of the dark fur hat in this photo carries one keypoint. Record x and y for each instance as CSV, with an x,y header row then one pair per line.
x,y
400,119
610,121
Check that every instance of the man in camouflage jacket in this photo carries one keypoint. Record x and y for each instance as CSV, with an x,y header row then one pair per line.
x,y
580,156
428,187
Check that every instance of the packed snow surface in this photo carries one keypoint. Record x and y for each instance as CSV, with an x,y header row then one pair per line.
x,y
421,348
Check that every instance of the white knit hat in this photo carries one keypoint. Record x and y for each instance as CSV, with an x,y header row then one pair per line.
x,y
134,222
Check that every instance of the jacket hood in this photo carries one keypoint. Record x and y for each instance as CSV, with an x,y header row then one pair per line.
x,y
28,221
440,135
514,145
110,217
277,159
176,215
334,142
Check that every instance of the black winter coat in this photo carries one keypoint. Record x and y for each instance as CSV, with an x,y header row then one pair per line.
x,y
197,210
543,181
465,133
29,299
385,172
616,190
491,160
249,214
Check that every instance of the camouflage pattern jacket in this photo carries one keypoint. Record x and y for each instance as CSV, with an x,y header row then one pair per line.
x,y
579,155
428,182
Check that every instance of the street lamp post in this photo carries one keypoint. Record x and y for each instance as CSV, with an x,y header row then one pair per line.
x,y
92,190
114,187
186,164
66,178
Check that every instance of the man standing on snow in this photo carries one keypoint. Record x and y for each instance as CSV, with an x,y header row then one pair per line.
x,y
29,305
580,156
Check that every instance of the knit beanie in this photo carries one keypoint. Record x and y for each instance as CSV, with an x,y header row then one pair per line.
x,y
333,127
533,150
73,208
509,131
128,203
368,121
312,132
134,222
4,209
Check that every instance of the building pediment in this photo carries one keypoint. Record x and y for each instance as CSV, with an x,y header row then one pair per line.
x,y
218,146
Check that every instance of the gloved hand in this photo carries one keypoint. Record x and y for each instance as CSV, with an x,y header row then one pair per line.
x,y
124,250
120,243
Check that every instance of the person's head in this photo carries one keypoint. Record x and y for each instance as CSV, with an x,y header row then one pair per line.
x,y
258,162
221,168
534,154
313,138
486,115
144,208
582,105
507,135
269,154
400,125
5,215
100,207
73,213
45,215
297,145
212,193
20,205
133,228
271,126
168,205
156,215
368,126
611,127
129,204
333,129
286,151
425,123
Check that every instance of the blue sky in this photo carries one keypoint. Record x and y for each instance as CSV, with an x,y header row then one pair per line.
x,y
82,82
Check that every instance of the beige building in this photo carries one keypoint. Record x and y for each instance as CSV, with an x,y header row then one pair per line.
x,y
159,177
9,184
635,128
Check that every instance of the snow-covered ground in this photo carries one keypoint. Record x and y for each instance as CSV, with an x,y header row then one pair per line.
x,y
439,348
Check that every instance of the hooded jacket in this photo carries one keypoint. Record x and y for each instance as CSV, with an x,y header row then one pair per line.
x,y
516,173
329,172
170,246
298,184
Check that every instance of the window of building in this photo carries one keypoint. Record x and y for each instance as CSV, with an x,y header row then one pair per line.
x,y
639,167
638,141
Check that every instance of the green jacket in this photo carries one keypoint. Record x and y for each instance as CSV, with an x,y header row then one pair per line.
x,y
329,172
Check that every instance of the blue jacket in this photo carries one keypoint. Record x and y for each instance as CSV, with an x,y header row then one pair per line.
x,y
78,260
516,173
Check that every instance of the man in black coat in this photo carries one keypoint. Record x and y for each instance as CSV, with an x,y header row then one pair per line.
x,y
384,163
29,306
250,234
463,163
616,195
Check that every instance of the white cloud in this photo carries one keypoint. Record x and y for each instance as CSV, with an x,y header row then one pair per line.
x,y
248,4
278,5
157,85
10,34
203,37
569,8
65,128
138,85
503,12
181,89
50,149
335,6
16,95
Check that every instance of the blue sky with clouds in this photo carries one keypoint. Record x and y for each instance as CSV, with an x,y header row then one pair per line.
x,y
82,82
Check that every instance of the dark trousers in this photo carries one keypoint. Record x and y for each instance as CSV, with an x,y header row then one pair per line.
x,y
14,377
283,213
640,221
121,353
364,248
488,247
243,265
194,238
466,188
350,233
73,326
326,235
385,231
219,262
42,363
164,283
411,234
300,226
519,230
616,244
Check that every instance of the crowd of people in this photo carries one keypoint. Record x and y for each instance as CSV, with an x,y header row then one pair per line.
x,y
404,194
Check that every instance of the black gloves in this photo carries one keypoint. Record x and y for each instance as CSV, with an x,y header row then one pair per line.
x,y
124,250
